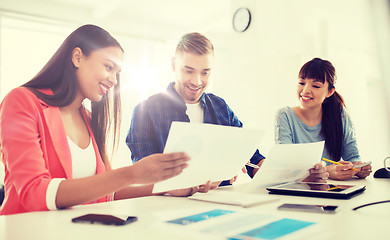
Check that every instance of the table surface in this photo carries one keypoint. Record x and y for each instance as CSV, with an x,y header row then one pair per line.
x,y
368,222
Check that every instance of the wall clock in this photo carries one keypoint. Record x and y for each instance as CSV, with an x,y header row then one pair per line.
x,y
241,19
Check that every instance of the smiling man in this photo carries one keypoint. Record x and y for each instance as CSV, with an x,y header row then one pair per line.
x,y
185,100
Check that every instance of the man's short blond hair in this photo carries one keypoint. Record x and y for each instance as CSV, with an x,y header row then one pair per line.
x,y
195,43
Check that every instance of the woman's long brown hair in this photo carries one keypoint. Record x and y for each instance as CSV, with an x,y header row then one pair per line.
x,y
332,107
59,76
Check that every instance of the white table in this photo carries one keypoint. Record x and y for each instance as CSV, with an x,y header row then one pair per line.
x,y
371,222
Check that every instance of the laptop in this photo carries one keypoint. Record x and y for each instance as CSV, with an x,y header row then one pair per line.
x,y
322,190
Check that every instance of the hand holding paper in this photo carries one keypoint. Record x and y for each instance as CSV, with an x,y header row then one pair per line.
x,y
288,162
217,152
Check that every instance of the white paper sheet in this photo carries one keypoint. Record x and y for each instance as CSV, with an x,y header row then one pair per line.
x,y
217,152
239,224
286,163
234,198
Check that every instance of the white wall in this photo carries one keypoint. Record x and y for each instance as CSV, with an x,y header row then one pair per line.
x,y
255,71
260,66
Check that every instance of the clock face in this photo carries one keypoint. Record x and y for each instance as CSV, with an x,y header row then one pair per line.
x,y
241,19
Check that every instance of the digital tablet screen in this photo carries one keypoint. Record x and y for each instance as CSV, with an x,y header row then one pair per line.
x,y
324,187
326,190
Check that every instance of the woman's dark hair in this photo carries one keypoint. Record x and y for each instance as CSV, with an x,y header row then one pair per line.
x,y
332,107
59,76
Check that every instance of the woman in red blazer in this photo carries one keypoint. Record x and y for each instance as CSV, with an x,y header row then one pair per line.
x,y
39,120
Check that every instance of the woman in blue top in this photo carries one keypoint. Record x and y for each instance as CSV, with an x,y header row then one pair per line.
x,y
321,116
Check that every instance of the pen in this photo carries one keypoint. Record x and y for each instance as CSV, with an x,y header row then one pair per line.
x,y
332,188
327,160
252,165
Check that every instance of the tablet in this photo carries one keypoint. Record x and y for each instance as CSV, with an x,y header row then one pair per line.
x,y
325,190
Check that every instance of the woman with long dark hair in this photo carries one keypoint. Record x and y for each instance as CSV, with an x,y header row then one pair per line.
x,y
54,149
322,116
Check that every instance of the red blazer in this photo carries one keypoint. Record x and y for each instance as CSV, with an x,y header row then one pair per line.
x,y
35,150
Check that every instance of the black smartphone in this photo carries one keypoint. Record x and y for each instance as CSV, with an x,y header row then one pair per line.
x,y
104,219
309,208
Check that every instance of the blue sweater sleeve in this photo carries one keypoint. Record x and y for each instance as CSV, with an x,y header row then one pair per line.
x,y
283,130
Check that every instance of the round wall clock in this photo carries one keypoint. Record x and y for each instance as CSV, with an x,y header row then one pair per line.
x,y
241,19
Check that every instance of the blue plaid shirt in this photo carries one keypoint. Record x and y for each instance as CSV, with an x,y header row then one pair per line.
x,y
152,120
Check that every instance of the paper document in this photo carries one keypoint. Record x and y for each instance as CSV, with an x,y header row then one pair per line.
x,y
228,224
234,198
287,163
217,152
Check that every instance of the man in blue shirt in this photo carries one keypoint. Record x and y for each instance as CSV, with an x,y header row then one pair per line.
x,y
185,100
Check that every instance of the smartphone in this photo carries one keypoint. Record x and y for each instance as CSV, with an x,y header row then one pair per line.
x,y
104,219
309,208
361,165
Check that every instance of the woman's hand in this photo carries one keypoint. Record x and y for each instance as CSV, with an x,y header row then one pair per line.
x,y
364,171
232,180
317,174
158,167
341,172
191,191
186,192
